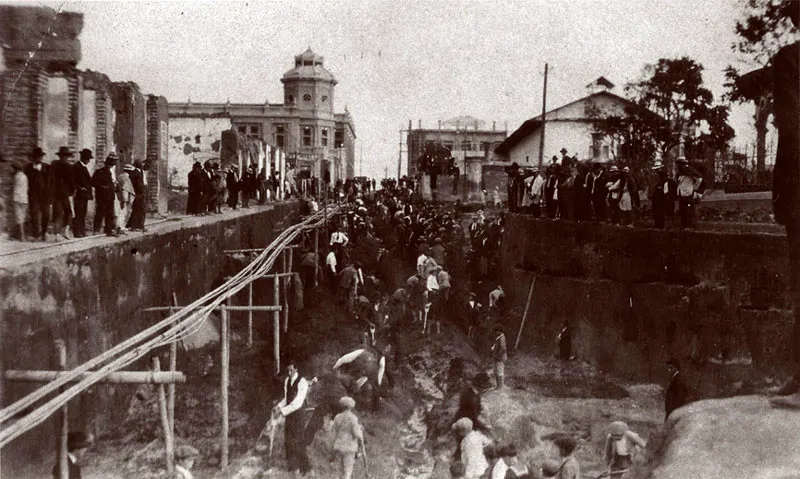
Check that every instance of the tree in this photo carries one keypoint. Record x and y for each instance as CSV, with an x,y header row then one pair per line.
x,y
763,31
668,103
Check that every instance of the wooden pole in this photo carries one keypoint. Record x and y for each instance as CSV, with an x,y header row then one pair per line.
x,y
544,118
218,308
63,420
525,314
287,268
173,365
119,377
250,316
276,327
316,257
225,364
162,408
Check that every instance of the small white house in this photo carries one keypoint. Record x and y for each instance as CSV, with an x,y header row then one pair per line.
x,y
570,126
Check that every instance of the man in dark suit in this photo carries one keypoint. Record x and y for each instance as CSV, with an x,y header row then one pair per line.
x,y
104,181
40,193
677,394
472,315
139,207
195,182
232,183
83,191
63,191
77,444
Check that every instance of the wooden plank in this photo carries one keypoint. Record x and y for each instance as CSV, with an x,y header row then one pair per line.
x,y
169,444
119,377
525,314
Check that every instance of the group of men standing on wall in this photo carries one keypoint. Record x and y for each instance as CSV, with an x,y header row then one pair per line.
x,y
210,187
63,189
580,191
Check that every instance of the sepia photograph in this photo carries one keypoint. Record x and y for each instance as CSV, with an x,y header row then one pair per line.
x,y
421,239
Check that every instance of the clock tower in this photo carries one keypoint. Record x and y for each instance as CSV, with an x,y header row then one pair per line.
x,y
309,86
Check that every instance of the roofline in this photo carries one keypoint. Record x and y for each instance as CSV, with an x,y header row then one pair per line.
x,y
534,123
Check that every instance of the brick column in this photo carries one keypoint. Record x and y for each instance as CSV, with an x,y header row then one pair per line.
x,y
157,147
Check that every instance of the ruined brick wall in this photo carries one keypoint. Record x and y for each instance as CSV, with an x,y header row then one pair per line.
x,y
130,129
157,152
193,139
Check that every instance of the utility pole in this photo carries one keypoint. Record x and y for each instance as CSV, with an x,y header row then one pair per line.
x,y
544,118
400,154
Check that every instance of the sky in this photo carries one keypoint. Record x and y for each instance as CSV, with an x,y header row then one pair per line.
x,y
397,61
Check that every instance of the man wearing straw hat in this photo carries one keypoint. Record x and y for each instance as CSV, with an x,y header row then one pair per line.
x,y
663,196
348,436
77,444
184,461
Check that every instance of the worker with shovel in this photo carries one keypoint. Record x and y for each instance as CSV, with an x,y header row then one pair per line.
x,y
348,438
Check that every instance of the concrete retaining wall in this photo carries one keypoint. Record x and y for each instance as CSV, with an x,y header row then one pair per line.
x,y
92,298
635,297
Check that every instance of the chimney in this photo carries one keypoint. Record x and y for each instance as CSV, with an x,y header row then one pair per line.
x,y
440,124
409,125
494,125
419,124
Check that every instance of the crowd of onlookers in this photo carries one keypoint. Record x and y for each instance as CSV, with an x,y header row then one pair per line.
x,y
429,238
58,195
572,190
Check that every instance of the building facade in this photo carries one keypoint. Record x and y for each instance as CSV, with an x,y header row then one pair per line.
x,y
316,140
465,138
570,127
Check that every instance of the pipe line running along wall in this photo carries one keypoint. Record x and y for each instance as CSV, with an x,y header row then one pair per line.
x,y
178,326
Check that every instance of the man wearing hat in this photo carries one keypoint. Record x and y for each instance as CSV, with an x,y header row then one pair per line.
x,y
348,436
292,407
622,444
596,192
63,190
469,400
83,191
663,195
472,314
499,355
104,181
77,444
40,193
138,209
232,183
195,183
184,461
677,393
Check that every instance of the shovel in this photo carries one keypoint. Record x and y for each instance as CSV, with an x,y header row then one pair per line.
x,y
364,455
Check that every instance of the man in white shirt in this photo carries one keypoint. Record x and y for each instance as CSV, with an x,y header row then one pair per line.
x,y
339,238
291,407
432,290
20,200
330,269
690,192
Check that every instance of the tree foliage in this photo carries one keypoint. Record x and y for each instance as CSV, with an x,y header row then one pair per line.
x,y
765,28
668,102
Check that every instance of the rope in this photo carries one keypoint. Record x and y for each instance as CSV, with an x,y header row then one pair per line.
x,y
169,330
